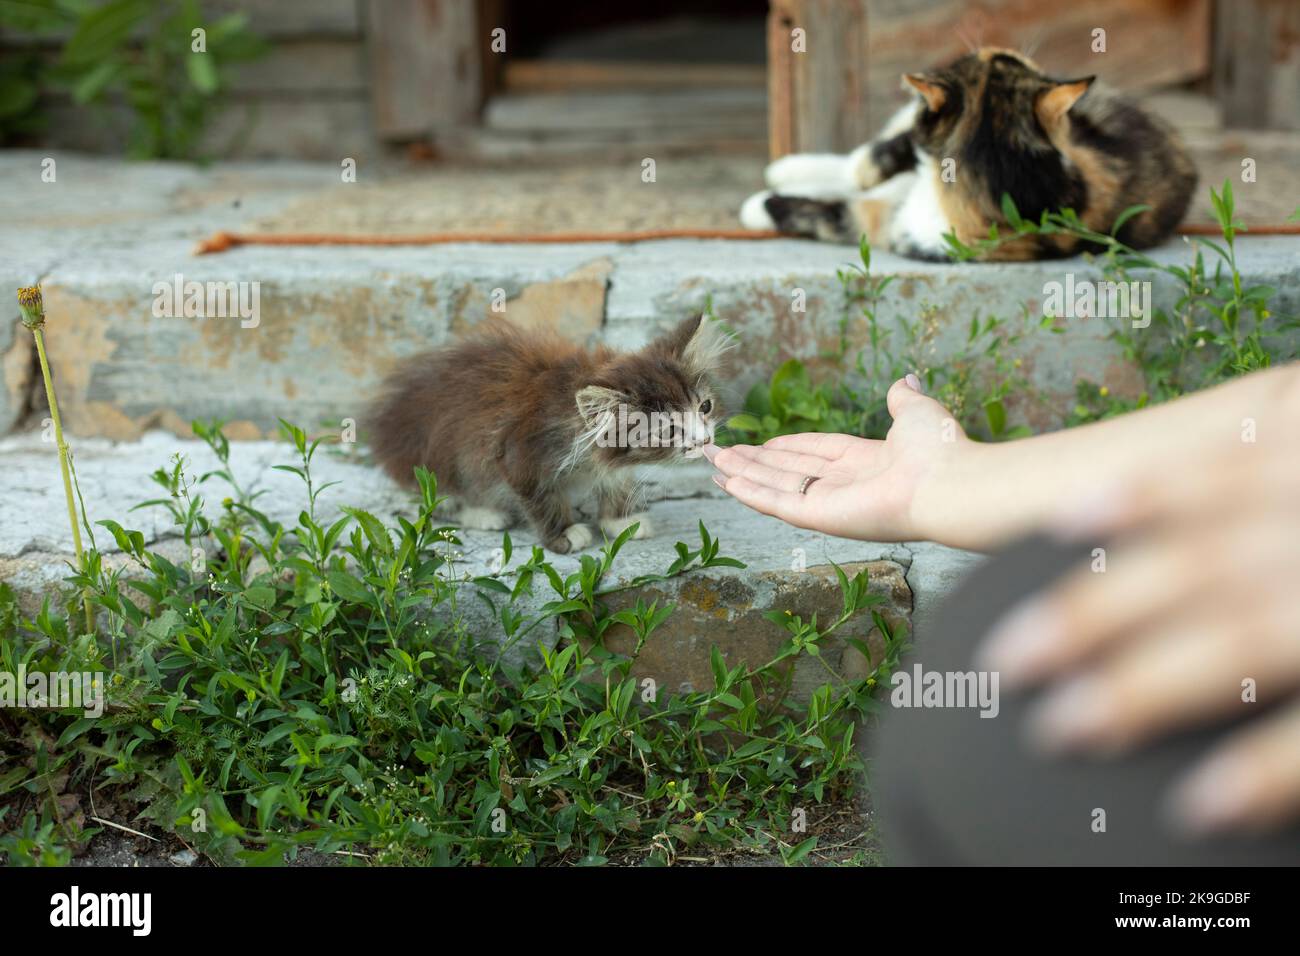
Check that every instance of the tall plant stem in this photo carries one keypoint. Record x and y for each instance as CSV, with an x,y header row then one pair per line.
x,y
63,467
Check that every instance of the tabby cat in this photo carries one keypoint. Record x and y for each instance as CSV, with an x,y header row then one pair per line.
x,y
988,124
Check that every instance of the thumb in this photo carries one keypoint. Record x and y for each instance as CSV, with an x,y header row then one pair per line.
x,y
906,398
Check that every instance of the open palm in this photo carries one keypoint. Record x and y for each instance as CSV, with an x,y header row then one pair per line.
x,y
865,488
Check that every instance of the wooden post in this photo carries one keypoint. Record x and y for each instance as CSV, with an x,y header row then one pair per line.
x,y
817,76
426,66
1257,63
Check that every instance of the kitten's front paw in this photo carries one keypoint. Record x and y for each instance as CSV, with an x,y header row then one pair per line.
x,y
754,215
483,519
575,538
613,527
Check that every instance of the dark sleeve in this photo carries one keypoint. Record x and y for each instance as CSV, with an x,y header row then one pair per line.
x,y
954,788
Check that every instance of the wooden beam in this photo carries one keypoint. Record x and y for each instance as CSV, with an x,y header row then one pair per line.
x,y
817,75
426,66
550,76
1257,63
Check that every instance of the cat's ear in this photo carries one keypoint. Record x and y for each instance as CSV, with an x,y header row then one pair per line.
x,y
674,341
595,402
1054,102
931,90
698,343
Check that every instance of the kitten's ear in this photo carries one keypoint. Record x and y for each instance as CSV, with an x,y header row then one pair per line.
x,y
931,90
1054,102
698,343
675,340
596,401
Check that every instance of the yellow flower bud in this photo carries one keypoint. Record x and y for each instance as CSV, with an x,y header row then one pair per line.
x,y
32,306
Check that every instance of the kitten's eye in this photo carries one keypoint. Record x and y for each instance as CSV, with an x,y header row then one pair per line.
x,y
706,406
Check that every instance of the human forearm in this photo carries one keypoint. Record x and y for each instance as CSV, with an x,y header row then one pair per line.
x,y
989,493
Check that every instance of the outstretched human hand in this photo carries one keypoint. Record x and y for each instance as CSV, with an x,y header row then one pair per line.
x,y
868,489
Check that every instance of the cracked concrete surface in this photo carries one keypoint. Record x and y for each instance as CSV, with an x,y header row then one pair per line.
x,y
114,477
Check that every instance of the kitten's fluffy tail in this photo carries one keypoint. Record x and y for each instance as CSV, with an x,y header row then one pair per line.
x,y
828,220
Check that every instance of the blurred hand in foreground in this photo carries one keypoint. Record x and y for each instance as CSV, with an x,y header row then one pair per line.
x,y
1194,616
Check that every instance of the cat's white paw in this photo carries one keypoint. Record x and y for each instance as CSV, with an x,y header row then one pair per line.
x,y
483,519
613,527
803,171
579,536
863,168
753,214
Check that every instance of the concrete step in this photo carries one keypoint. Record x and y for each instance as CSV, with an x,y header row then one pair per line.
x,y
787,569
108,236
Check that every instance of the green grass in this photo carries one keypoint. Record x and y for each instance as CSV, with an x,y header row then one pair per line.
x,y
317,685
